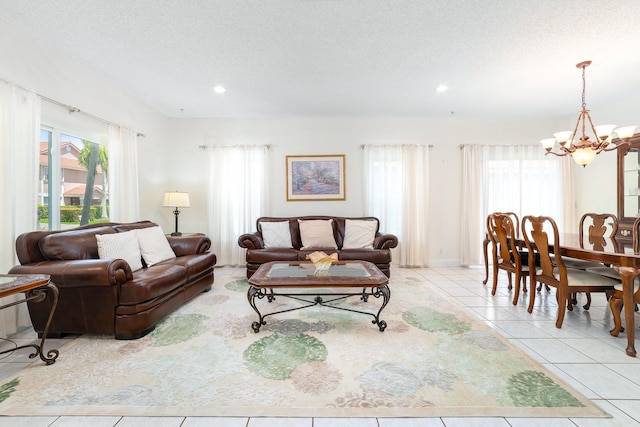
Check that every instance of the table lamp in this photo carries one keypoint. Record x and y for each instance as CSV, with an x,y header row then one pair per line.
x,y
176,200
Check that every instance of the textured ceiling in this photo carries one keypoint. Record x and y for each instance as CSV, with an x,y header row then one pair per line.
x,y
504,58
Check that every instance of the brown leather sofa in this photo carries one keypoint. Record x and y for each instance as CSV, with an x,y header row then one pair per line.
x,y
257,254
104,296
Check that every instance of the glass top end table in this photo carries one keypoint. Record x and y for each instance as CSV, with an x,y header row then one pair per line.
x,y
35,287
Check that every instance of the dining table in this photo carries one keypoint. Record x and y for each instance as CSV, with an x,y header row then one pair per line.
x,y
617,253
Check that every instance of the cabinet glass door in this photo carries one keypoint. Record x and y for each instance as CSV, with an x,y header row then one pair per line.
x,y
631,186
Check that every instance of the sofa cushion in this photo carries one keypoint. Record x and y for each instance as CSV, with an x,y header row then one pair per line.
x,y
359,234
150,283
317,233
276,234
261,256
195,264
73,244
376,256
154,245
120,245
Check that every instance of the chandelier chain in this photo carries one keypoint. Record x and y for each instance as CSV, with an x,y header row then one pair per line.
x,y
584,88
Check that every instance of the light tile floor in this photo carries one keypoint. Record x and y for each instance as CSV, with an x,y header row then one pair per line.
x,y
582,352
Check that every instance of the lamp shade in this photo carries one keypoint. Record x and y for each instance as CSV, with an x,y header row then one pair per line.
x,y
625,132
563,137
604,132
548,143
176,199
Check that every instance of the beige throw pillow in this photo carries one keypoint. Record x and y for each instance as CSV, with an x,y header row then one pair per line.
x,y
120,245
317,233
154,245
359,234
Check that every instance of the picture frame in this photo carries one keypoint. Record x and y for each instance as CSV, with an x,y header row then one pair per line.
x,y
316,177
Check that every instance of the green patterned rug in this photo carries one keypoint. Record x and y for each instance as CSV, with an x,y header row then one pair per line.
x,y
433,359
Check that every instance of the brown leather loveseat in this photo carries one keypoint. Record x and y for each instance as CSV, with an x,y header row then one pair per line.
x,y
352,238
104,295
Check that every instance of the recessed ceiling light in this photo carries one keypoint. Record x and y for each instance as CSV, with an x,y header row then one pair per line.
x,y
219,89
442,88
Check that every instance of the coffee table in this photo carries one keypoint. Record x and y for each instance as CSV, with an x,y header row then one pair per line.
x,y
35,288
294,280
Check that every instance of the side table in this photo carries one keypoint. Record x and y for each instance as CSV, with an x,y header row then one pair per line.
x,y
35,288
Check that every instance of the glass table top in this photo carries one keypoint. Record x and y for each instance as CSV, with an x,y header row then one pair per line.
x,y
282,270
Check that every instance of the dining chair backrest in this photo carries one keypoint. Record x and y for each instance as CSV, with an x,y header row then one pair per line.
x,y
514,219
540,234
516,224
636,235
502,229
597,228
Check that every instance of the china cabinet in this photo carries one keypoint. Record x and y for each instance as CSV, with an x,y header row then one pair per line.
x,y
628,186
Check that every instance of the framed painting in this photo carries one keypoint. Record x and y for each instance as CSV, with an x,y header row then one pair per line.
x,y
318,177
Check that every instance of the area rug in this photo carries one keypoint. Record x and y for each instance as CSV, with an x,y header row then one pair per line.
x,y
432,360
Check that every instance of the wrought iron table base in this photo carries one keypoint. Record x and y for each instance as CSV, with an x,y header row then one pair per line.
x,y
38,295
382,291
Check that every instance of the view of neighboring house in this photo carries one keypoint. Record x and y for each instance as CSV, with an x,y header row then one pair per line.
x,y
73,176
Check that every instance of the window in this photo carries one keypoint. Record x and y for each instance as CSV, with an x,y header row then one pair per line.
x,y
520,179
73,181
396,179
509,178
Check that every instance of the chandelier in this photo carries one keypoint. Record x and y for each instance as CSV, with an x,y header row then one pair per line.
x,y
579,146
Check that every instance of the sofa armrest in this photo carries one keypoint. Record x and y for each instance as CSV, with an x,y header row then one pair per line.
x,y
251,241
192,244
385,241
80,273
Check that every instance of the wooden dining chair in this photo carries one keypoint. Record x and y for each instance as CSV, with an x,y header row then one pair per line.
x,y
541,236
615,300
507,257
488,240
594,230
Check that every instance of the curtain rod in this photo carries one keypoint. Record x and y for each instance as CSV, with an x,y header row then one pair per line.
x,y
391,145
204,147
70,108
461,146
77,110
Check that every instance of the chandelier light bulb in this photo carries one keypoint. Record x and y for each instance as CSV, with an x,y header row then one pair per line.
x,y
584,156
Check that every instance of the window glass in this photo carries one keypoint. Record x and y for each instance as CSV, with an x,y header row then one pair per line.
x,y
521,180
73,181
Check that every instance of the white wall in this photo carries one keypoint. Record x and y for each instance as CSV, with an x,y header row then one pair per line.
x,y
29,64
171,160
303,136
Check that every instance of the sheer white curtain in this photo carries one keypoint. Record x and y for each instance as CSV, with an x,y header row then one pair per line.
x,y
396,181
19,134
124,196
519,179
472,207
237,197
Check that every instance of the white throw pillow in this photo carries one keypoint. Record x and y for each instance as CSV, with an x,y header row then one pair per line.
x,y
154,245
317,233
359,234
120,245
276,234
